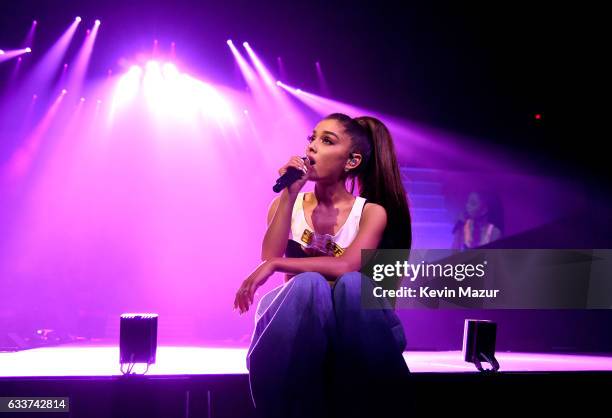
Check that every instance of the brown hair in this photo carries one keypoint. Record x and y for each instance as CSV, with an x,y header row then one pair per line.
x,y
378,176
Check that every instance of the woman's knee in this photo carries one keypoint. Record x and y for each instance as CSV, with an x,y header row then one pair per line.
x,y
311,292
350,281
309,283
309,278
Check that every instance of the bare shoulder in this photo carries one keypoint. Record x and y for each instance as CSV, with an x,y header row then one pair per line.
x,y
374,209
373,212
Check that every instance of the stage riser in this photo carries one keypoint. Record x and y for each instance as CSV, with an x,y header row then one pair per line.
x,y
228,396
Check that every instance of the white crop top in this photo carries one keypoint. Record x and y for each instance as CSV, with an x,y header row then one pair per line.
x,y
312,243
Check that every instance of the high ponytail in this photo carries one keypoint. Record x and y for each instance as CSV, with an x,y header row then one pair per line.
x,y
378,176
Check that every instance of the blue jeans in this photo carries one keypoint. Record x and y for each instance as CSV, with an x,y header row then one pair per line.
x,y
315,352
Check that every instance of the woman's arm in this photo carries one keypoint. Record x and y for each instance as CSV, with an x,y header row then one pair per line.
x,y
279,214
279,223
371,228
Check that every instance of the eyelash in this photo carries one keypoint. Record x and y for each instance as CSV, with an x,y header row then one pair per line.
x,y
311,138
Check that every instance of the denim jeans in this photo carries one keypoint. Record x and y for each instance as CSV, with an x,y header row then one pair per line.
x,y
315,352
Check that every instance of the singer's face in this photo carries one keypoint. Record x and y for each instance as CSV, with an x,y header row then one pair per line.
x,y
329,147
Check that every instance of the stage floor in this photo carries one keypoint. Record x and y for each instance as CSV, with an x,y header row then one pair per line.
x,y
95,360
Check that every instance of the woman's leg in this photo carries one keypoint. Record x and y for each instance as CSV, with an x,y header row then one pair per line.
x,y
370,371
289,351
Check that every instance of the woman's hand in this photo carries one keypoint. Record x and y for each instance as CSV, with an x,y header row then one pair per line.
x,y
297,162
246,292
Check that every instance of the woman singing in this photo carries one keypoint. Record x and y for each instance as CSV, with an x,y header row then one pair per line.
x,y
315,351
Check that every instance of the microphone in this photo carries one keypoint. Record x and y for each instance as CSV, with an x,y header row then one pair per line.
x,y
291,176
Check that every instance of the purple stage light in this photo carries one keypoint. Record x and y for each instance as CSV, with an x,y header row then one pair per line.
x,y
7,55
46,67
22,157
280,100
127,87
64,91
97,22
259,65
245,44
245,68
28,50
81,61
77,19
323,86
281,68
82,99
29,39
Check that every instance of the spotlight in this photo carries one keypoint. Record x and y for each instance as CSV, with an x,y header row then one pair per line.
x,y
34,97
137,340
82,99
64,91
78,18
170,71
1,52
65,65
229,42
97,22
298,91
278,83
28,50
245,44
246,112
479,343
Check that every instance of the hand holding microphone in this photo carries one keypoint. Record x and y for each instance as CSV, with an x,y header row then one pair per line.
x,y
294,175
